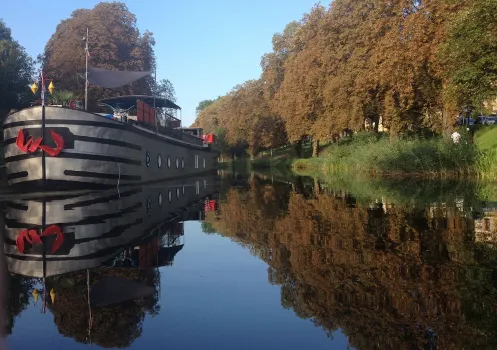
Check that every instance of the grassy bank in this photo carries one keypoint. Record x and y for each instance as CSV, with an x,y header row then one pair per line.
x,y
373,154
245,165
413,191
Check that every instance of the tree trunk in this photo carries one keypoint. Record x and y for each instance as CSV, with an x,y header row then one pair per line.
x,y
299,185
317,187
377,121
298,148
315,148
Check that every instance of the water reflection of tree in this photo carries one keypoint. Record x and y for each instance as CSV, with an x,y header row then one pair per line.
x,y
401,277
114,326
19,289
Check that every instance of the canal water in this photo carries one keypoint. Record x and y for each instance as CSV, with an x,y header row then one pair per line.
x,y
259,262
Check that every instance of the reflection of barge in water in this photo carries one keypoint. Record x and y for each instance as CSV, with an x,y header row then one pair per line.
x,y
57,146
53,236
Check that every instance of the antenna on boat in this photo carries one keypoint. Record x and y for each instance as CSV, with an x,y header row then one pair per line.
x,y
86,71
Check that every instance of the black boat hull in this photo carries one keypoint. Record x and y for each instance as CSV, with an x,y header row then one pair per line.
x,y
97,225
96,151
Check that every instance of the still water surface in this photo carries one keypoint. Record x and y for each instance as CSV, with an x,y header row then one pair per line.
x,y
260,263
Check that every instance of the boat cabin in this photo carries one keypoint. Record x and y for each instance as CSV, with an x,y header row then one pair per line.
x,y
194,131
145,110
154,113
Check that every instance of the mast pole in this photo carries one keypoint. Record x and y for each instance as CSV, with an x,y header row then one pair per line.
x,y
86,72
155,92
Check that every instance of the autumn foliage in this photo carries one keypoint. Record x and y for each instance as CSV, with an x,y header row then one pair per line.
x,y
114,43
388,276
394,63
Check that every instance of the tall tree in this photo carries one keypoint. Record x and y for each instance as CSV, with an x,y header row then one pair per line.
x,y
164,88
16,69
469,54
369,60
272,64
299,98
114,43
203,104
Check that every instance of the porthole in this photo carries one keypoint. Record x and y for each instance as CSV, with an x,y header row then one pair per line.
x,y
168,161
169,196
177,163
147,159
177,193
160,200
159,160
182,163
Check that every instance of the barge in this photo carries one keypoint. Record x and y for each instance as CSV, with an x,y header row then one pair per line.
x,y
61,147
140,226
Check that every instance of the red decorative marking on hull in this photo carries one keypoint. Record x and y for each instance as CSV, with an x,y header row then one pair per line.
x,y
32,237
54,230
32,145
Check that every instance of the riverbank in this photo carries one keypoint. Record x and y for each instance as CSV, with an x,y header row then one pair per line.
x,y
369,154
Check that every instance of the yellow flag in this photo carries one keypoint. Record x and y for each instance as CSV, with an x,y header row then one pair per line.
x,y
36,294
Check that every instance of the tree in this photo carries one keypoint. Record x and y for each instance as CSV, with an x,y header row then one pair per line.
x,y
204,104
273,70
299,98
16,69
114,43
359,61
164,88
469,54
17,297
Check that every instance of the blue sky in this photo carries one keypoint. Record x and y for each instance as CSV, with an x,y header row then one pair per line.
x,y
203,47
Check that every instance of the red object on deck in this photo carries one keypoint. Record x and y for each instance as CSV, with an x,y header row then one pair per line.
x,y
145,113
209,138
148,254
210,205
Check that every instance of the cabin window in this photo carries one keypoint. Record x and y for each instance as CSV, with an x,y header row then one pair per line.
x,y
196,161
204,162
197,187
177,193
182,163
168,161
183,190
159,160
177,163
169,196
160,200
147,159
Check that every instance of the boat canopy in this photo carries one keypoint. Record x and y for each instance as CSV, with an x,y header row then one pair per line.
x,y
111,78
126,102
